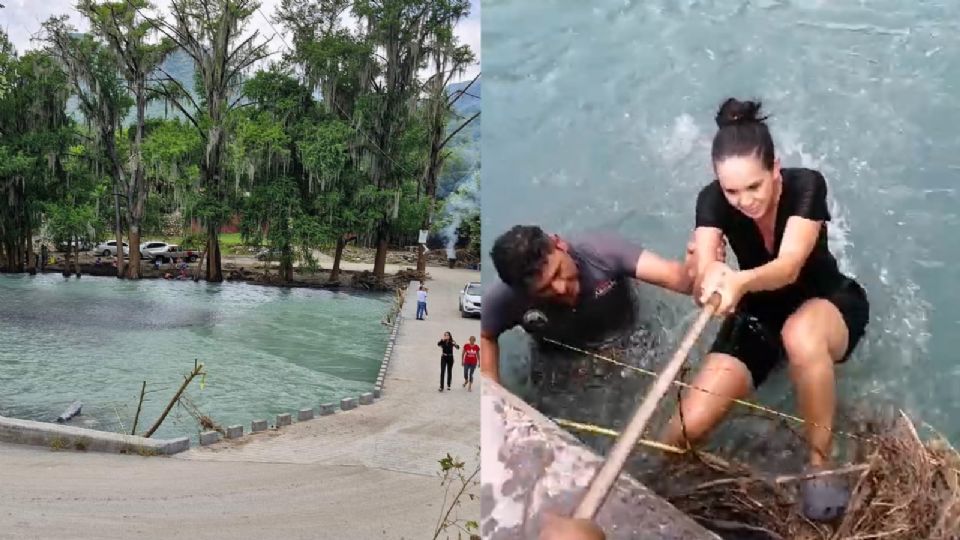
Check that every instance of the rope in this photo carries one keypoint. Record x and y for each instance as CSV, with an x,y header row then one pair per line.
x,y
745,403
590,428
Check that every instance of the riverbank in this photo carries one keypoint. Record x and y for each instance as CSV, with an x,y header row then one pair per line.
x,y
356,270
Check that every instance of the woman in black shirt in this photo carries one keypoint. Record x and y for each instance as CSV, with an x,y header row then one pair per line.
x,y
447,344
788,300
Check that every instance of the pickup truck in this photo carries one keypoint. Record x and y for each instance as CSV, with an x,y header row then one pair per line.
x,y
166,252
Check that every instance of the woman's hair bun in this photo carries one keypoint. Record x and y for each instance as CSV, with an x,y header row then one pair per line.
x,y
733,112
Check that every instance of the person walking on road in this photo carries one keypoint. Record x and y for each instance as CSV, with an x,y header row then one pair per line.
x,y
447,344
469,359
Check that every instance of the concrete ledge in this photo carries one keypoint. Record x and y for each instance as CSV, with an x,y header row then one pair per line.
x,y
209,437
348,403
284,420
366,398
327,408
304,414
258,425
535,466
234,432
63,437
376,392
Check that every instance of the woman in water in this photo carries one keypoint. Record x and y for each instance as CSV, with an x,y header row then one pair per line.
x,y
788,300
447,344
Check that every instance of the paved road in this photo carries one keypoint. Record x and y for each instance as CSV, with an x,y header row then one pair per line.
x,y
365,474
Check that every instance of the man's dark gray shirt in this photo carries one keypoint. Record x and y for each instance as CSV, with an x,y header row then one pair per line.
x,y
606,263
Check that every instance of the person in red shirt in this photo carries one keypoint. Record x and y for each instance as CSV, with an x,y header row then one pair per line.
x,y
470,358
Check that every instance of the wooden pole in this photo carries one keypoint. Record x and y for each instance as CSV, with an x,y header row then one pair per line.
x,y
607,474
139,405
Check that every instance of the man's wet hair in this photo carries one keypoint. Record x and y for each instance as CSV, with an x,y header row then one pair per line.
x,y
519,255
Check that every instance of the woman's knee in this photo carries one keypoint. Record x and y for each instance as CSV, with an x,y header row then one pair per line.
x,y
804,344
719,382
812,333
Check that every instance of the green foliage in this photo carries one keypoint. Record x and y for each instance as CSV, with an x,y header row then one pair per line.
x,y
193,240
454,475
274,213
169,147
66,221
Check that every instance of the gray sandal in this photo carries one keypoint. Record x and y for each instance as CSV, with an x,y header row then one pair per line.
x,y
824,498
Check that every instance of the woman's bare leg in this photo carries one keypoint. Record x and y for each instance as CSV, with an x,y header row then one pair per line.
x,y
815,337
726,378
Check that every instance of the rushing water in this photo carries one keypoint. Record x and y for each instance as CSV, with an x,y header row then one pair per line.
x,y
266,350
601,115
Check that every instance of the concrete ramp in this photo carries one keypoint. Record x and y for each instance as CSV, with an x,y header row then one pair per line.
x,y
530,464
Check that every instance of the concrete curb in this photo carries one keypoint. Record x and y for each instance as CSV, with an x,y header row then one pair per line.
x,y
61,437
209,437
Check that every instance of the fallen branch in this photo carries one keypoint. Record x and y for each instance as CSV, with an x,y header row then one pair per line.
x,y
197,370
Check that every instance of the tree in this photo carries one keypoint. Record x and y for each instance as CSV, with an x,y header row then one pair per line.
x,y
345,202
127,34
209,31
35,133
93,74
401,32
447,60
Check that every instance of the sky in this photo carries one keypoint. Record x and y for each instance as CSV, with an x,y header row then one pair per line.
x,y
21,20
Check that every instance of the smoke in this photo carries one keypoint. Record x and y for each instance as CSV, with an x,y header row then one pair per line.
x,y
459,205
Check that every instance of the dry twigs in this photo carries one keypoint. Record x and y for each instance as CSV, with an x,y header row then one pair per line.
x,y
907,490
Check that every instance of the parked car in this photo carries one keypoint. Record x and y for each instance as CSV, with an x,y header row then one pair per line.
x,y
470,299
166,252
268,254
81,245
109,248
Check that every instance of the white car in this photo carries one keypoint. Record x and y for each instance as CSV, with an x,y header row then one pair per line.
x,y
109,248
470,299
148,250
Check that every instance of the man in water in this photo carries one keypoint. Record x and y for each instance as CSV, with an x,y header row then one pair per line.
x,y
574,291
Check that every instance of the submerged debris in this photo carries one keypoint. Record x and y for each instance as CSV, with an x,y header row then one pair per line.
x,y
904,489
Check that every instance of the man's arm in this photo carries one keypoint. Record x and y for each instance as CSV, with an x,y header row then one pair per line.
x,y
668,274
633,260
490,356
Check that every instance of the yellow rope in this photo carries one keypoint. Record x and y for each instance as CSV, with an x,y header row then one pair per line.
x,y
745,403
590,428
